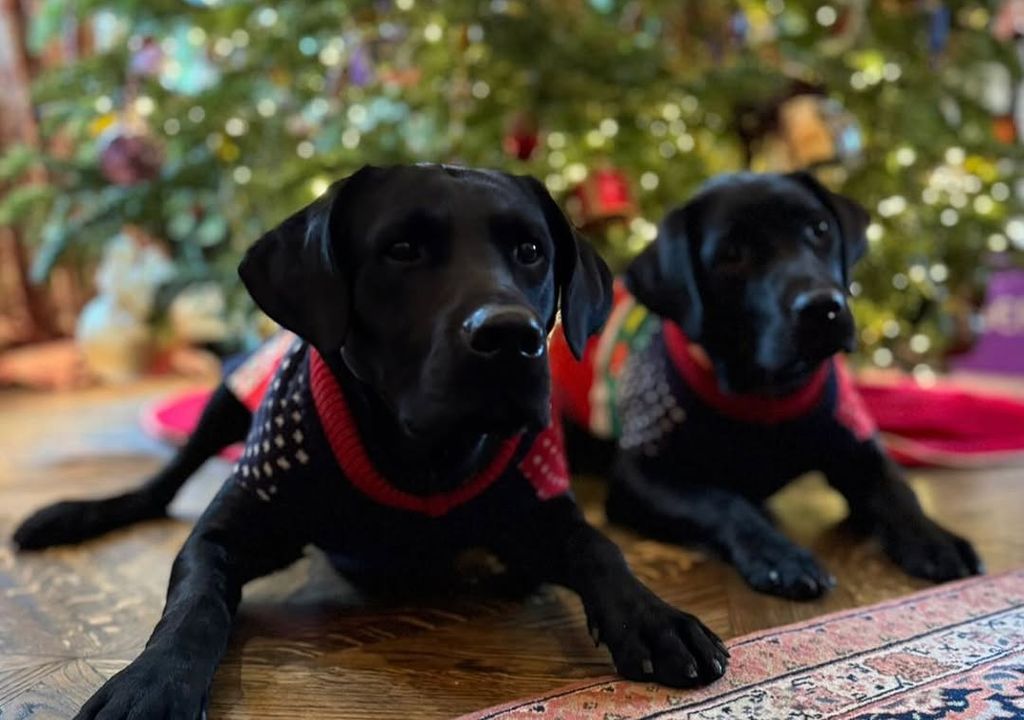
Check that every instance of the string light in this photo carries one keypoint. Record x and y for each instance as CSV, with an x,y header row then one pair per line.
x,y
196,114
556,159
874,232
983,205
826,16
906,156
556,140
882,357
172,126
350,138
920,343
649,181
576,172
609,127
1015,231
144,105
685,142
242,175
555,182
235,127
318,186
223,46
267,17
481,89
305,149
949,217
955,156
1000,192
103,104
266,107
433,32
997,243
924,375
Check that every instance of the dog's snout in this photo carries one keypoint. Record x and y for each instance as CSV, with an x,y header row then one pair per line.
x,y
818,308
503,330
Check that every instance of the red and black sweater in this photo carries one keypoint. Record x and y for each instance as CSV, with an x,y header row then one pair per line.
x,y
306,449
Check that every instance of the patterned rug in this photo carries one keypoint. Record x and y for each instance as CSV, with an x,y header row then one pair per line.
x,y
954,651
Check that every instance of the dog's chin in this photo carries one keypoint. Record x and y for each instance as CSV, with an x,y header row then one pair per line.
x,y
498,419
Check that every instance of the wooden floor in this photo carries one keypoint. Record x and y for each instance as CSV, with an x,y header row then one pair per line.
x,y
307,646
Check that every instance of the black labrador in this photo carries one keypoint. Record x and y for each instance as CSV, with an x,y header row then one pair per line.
x,y
735,391
402,427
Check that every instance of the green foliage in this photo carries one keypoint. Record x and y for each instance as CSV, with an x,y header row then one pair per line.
x,y
637,86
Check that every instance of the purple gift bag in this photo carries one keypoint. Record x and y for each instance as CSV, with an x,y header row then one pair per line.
x,y
1000,347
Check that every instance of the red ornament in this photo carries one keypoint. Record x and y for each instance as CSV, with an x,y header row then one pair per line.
x,y
128,159
1004,129
522,136
604,195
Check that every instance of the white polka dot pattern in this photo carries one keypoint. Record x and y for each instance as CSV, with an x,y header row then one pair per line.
x,y
649,410
276,442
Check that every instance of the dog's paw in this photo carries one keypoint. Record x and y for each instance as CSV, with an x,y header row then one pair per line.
x,y
931,552
62,523
785,570
151,687
651,640
73,521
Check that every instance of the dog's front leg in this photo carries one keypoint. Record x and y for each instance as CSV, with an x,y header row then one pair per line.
x,y
234,541
652,500
883,504
648,638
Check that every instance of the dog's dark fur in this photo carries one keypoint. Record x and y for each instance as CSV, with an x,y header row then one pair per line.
x,y
387,276
755,269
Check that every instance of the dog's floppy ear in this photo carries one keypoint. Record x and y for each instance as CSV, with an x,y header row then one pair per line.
x,y
584,280
292,273
851,216
662,277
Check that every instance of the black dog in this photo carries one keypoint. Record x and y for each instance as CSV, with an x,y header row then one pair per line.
x,y
405,425
733,390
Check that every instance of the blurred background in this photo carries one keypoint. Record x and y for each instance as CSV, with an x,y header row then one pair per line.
x,y
147,144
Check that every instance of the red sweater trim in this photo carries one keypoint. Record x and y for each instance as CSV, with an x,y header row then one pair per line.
x,y
691,363
350,453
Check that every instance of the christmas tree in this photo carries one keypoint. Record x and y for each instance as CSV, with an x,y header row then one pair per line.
x,y
202,123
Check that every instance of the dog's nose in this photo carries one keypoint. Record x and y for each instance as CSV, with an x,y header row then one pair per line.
x,y
505,330
818,308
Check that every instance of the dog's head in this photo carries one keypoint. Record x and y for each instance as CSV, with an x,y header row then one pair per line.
x,y
437,286
755,268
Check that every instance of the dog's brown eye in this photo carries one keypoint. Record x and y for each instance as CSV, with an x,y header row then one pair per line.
x,y
404,252
528,253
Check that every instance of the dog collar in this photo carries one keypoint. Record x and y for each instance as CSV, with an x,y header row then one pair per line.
x,y
695,368
351,455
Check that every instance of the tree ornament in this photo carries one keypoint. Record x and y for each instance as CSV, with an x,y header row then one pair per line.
x,y
1009,22
522,135
129,154
604,196
801,128
148,60
360,66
